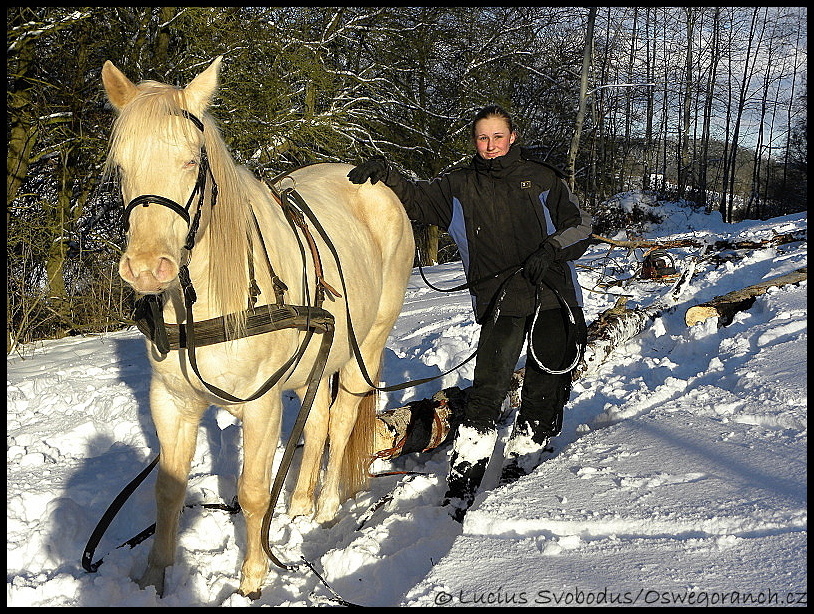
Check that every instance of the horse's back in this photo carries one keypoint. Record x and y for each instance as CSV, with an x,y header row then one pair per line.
x,y
376,208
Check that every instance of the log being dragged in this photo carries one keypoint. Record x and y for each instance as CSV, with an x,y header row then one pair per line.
x,y
426,424
418,426
726,306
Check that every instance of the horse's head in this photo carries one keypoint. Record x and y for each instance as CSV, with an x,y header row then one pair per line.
x,y
158,148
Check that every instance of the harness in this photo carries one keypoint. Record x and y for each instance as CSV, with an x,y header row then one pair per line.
x,y
259,319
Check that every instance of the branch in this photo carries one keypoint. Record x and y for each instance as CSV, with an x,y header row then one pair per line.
x,y
618,325
780,239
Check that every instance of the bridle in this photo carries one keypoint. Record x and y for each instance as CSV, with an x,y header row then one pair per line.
x,y
204,172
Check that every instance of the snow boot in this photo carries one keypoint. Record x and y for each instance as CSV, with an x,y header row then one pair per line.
x,y
524,452
470,456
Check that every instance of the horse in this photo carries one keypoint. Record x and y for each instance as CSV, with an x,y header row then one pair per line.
x,y
231,241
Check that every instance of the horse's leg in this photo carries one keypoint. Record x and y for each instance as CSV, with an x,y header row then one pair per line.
x,y
343,419
261,433
316,433
177,433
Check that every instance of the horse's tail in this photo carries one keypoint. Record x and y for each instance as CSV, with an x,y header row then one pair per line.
x,y
359,450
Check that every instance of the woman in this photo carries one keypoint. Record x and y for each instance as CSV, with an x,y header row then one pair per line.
x,y
504,210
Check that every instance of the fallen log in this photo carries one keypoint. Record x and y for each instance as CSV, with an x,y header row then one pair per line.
x,y
418,426
726,306
779,239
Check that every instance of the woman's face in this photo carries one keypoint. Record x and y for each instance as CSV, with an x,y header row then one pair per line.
x,y
493,137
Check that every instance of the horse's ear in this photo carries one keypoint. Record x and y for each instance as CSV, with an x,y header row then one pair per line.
x,y
120,90
201,89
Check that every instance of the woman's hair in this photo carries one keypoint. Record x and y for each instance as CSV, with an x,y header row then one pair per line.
x,y
492,110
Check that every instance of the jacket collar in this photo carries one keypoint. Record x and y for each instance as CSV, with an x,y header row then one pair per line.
x,y
497,167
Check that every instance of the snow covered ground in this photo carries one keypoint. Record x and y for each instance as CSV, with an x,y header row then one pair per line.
x,y
679,479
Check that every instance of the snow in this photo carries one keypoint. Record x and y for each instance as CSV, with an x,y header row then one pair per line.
x,y
679,478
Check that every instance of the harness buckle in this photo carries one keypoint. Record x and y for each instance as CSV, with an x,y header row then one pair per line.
x,y
186,286
279,289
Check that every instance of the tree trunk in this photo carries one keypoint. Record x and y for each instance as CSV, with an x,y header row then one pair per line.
x,y
426,237
683,159
707,113
23,130
725,307
647,154
583,95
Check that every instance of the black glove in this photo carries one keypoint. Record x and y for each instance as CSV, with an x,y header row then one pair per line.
x,y
374,169
536,265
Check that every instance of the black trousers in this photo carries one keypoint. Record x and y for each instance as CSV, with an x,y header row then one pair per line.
x,y
543,395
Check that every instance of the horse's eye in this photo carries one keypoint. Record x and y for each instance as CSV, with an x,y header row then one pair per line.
x,y
191,163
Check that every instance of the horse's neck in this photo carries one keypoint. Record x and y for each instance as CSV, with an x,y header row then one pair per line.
x,y
279,247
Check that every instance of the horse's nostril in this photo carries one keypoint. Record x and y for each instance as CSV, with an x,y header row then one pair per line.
x,y
126,271
166,270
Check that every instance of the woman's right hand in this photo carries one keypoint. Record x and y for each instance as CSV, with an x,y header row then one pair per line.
x,y
374,169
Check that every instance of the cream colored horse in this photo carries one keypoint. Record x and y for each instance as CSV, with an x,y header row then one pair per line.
x,y
156,148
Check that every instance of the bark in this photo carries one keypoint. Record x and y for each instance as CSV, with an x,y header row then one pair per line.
x,y
428,244
685,179
726,306
428,423
22,127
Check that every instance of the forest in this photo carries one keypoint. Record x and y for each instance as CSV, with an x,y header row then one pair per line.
x,y
701,104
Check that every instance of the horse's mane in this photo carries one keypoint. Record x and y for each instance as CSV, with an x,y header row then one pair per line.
x,y
155,115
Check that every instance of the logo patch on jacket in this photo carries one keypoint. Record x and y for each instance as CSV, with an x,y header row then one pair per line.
x,y
525,185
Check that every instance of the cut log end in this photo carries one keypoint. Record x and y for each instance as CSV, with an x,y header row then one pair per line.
x,y
699,313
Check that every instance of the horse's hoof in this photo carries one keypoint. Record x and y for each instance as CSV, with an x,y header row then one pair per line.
x,y
154,576
253,595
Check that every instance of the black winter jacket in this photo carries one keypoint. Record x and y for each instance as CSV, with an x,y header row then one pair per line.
x,y
499,212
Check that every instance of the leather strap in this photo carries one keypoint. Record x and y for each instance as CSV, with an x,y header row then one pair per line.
x,y
259,320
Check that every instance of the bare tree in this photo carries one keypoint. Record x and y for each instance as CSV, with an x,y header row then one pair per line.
x,y
583,96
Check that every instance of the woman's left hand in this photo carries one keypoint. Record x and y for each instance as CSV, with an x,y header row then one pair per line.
x,y
536,265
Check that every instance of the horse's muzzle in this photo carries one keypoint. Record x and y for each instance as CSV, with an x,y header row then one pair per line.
x,y
148,274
